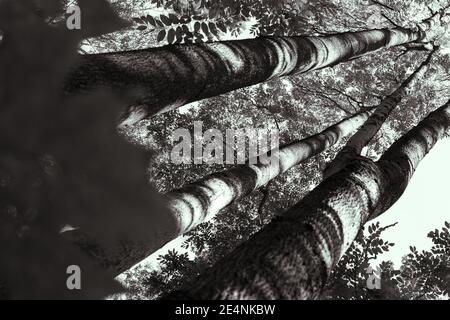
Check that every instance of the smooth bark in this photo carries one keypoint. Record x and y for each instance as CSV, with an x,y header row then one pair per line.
x,y
293,256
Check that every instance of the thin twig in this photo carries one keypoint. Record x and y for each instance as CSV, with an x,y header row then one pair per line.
x,y
383,5
392,21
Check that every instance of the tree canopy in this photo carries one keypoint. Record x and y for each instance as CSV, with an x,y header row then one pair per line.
x,y
66,165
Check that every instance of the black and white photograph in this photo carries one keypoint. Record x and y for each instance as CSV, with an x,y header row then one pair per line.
x,y
191,151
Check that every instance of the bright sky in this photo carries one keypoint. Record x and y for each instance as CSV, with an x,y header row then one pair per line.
x,y
422,208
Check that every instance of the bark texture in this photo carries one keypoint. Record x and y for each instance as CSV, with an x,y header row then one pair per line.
x,y
157,80
370,128
293,256
202,200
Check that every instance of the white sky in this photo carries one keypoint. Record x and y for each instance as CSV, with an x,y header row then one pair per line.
x,y
422,208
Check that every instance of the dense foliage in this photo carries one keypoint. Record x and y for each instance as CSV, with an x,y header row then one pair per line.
x,y
298,106
359,275
51,174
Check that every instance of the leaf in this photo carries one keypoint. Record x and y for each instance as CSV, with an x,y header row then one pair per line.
x,y
173,18
189,38
161,35
171,36
199,35
197,27
447,224
205,28
179,34
141,27
222,27
150,20
166,20
213,29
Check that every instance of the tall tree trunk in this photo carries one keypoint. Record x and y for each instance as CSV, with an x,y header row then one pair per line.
x,y
293,256
157,80
370,128
202,200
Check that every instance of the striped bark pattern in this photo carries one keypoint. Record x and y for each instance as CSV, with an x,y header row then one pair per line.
x,y
166,78
371,127
157,80
202,200
293,256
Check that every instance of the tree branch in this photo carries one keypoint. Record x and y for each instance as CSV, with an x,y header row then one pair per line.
x,y
324,96
383,5
265,192
392,21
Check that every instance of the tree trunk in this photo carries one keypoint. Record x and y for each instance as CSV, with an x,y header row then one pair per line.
x,y
370,128
157,80
202,200
293,256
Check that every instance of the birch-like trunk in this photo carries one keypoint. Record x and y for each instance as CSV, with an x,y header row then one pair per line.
x,y
157,80
202,200
370,128
293,256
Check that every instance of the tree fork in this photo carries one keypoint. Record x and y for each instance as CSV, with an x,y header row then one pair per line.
x,y
373,124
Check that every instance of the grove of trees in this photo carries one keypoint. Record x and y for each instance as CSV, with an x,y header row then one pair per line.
x,y
357,91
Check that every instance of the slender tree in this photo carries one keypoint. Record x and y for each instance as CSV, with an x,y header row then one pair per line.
x,y
166,78
157,80
202,200
369,129
292,257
